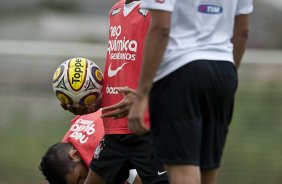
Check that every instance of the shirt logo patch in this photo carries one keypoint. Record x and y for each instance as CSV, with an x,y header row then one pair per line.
x,y
160,1
143,12
116,11
112,73
210,9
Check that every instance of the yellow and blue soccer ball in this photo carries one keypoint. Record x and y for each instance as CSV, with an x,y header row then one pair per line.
x,y
78,80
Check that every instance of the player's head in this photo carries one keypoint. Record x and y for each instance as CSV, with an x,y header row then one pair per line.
x,y
62,164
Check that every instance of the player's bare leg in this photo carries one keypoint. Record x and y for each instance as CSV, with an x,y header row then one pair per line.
x,y
94,178
209,177
183,174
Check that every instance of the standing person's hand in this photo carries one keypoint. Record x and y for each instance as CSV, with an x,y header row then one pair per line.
x,y
120,109
78,109
136,115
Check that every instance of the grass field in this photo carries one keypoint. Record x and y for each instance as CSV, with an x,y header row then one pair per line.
x,y
28,127
254,147
30,123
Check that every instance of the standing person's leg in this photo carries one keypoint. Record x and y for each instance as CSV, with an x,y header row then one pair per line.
x,y
143,159
217,108
110,160
209,176
190,112
182,174
176,123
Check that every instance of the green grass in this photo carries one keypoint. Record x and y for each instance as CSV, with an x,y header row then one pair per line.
x,y
254,147
25,138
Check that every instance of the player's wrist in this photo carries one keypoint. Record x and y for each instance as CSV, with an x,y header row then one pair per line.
x,y
142,93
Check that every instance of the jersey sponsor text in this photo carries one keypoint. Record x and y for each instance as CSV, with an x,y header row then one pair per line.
x,y
82,129
121,48
112,90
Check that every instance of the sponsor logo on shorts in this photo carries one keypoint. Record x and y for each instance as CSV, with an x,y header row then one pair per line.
x,y
161,172
99,148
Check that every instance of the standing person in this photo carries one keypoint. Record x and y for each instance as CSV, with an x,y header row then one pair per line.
x,y
68,161
192,50
120,149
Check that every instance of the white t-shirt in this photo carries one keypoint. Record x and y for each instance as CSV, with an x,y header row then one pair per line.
x,y
200,29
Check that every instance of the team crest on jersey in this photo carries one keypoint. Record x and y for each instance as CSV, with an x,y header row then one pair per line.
x,y
99,148
116,11
143,12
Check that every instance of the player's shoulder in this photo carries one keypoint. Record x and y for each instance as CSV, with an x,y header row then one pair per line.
x,y
92,116
116,8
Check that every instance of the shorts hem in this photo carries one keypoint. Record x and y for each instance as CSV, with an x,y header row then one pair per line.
x,y
180,162
207,168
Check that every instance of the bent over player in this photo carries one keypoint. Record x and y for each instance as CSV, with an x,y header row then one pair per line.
x,y
68,161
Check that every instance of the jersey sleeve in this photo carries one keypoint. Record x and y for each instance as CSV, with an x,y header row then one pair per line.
x,y
244,7
166,5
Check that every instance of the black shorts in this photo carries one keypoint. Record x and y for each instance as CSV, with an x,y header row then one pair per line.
x,y
190,112
117,154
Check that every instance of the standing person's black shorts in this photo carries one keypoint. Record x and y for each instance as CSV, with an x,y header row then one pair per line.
x,y
117,154
191,110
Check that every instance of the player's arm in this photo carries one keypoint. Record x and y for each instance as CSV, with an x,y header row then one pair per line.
x,y
155,45
240,36
120,109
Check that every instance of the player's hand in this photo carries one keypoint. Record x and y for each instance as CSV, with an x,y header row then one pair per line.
x,y
136,115
80,109
120,109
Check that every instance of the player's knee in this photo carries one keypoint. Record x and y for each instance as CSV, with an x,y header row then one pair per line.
x,y
182,174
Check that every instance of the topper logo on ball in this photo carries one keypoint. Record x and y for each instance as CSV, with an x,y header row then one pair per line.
x,y
77,73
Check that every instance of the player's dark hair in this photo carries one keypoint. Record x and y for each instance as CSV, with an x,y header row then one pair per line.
x,y
56,163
